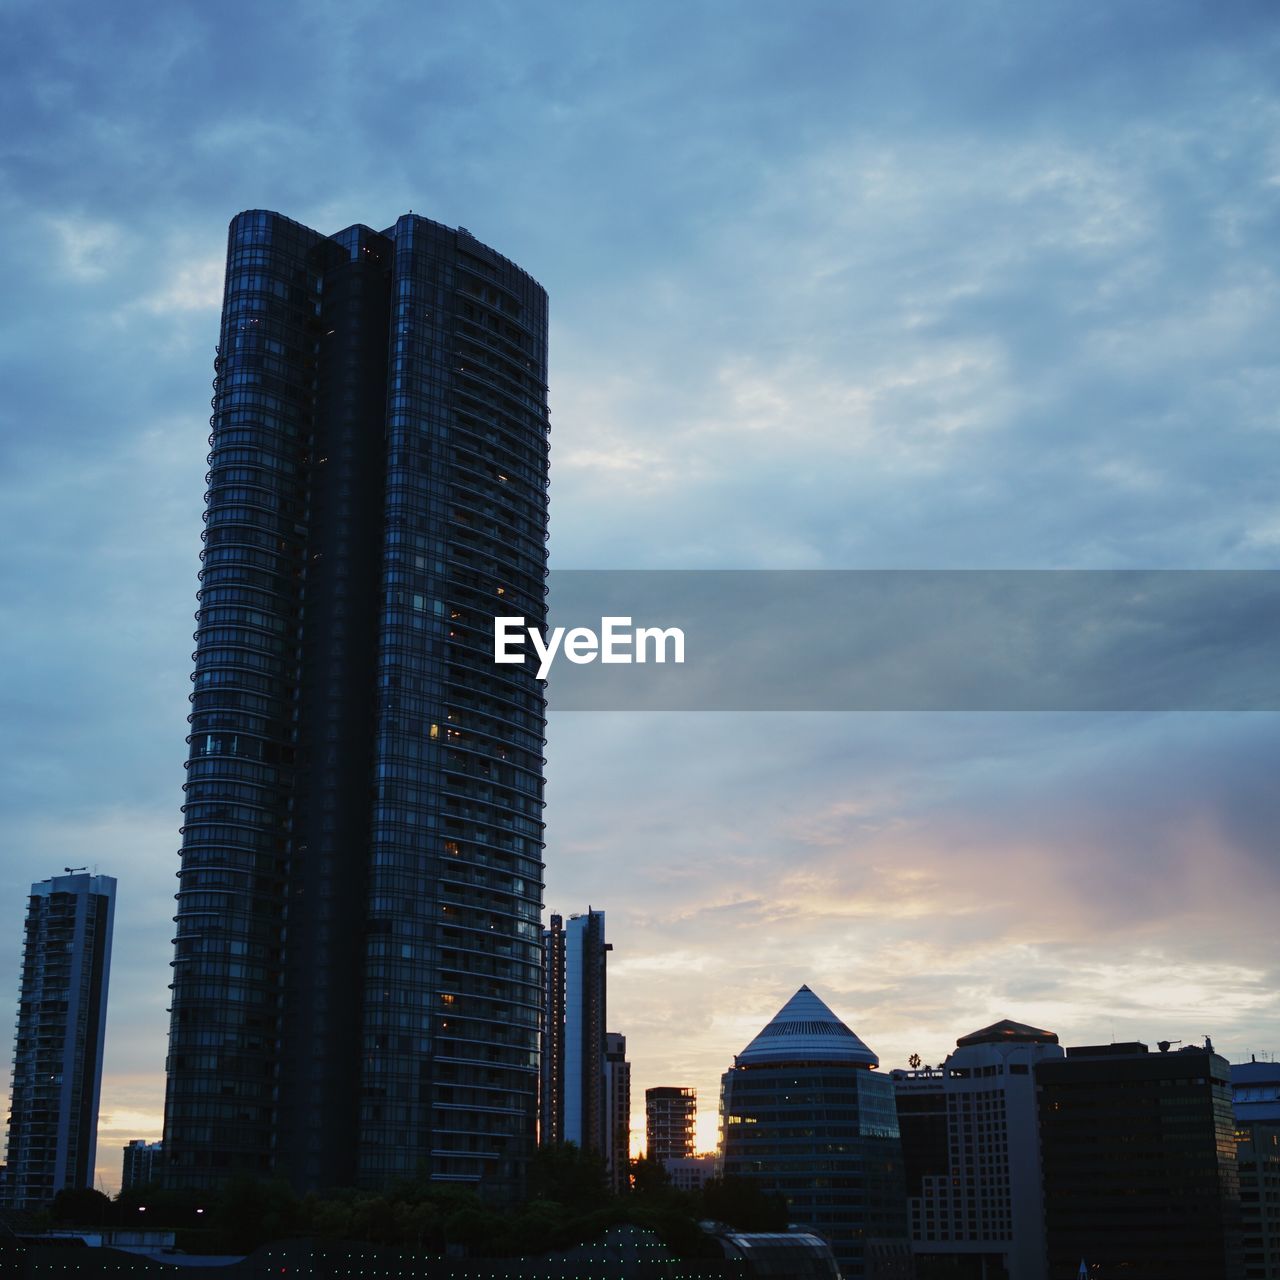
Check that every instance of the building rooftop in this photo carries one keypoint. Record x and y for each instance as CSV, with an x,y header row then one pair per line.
x,y
1007,1032
1255,1088
805,1030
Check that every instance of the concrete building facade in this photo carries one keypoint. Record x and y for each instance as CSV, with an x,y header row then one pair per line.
x,y
61,1034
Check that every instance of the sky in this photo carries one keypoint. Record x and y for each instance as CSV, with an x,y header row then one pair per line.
x,y
846,286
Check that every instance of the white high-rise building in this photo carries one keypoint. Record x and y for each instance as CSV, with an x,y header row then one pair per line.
x,y
980,1195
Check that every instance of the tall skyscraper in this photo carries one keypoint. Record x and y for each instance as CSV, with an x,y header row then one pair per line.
x,y
357,977
974,1200
1139,1164
62,1022
574,1102
804,1114
617,1122
670,1116
551,1090
585,992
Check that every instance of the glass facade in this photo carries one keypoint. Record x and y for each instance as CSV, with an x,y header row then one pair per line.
x,y
1256,1103
793,1256
1139,1163
805,1115
826,1138
574,1106
357,967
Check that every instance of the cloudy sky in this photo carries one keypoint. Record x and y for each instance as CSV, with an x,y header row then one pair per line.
x,y
833,285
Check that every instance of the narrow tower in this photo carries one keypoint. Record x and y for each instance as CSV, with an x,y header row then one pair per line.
x,y
62,1021
575,1104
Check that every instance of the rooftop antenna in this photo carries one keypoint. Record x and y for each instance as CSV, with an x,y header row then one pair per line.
x,y
72,870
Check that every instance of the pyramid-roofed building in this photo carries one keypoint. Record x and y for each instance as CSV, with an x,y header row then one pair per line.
x,y
805,1030
806,1115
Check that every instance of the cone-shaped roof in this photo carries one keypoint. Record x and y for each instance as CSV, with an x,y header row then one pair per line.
x,y
805,1030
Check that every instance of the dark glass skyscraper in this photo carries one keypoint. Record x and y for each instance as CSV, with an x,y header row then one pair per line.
x,y
357,968
1139,1164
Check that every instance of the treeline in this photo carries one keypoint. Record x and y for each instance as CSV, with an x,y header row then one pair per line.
x,y
569,1203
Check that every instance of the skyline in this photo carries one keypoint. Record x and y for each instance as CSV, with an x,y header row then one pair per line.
x,y
930,289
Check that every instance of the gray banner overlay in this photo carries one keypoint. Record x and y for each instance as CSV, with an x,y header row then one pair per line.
x,y
926,640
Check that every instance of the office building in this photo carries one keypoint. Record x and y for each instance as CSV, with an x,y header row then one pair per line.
x,y
922,1125
805,1114
574,1106
617,1092
692,1173
1138,1158
62,1022
357,975
1255,1089
670,1121
141,1164
974,1198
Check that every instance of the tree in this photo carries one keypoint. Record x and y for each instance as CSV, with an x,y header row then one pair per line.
x,y
569,1176
250,1212
744,1204
649,1177
81,1207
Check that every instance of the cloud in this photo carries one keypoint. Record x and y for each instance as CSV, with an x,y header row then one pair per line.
x,y
86,247
1098,875
194,286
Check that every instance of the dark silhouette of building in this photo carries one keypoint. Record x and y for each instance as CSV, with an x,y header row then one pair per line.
x,y
574,1105
670,1118
1138,1156
922,1125
357,975
141,1164
617,1138
805,1114
1255,1088
62,1020
551,1090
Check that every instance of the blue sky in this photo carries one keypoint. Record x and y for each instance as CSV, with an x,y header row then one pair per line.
x,y
832,286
